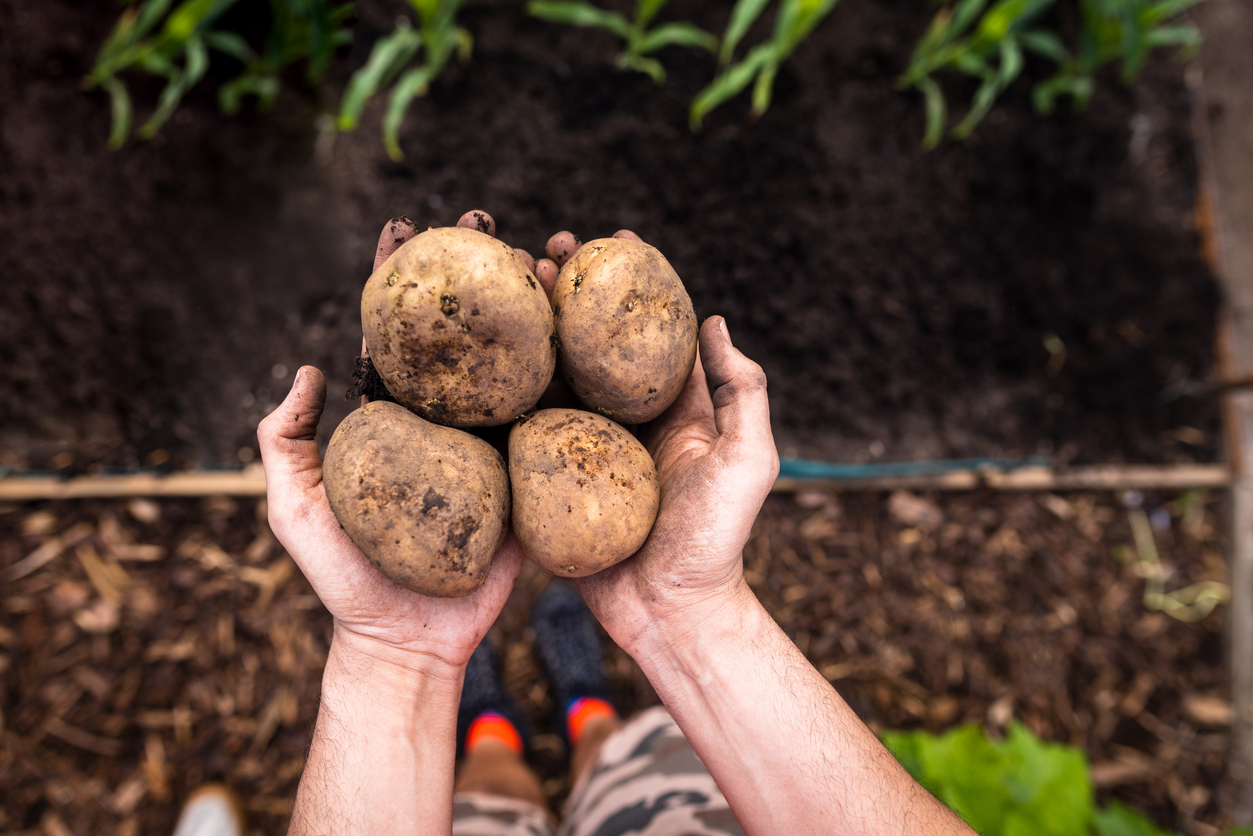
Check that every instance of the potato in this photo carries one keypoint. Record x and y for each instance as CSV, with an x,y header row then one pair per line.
x,y
459,329
428,505
626,328
585,491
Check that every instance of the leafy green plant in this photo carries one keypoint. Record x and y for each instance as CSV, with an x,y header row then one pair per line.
x,y
794,20
989,43
437,37
641,41
174,42
1018,786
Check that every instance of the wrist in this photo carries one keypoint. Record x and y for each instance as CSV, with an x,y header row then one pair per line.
x,y
678,639
395,677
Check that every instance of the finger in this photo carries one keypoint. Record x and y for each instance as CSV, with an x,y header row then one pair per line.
x,y
478,219
562,246
546,271
506,565
397,231
737,388
288,435
527,258
627,234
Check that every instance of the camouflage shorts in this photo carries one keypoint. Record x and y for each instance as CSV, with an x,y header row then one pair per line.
x,y
647,781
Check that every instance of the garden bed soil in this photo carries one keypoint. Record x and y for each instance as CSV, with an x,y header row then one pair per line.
x,y
167,644
157,300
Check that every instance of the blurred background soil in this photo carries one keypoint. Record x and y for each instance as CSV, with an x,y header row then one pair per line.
x,y
158,300
160,645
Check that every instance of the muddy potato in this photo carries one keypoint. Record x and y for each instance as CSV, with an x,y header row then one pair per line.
x,y
428,505
626,329
585,491
459,329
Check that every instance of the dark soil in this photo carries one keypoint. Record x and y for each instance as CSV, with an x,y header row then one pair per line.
x,y
157,300
193,649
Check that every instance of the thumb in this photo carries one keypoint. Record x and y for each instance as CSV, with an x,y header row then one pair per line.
x,y
737,388
288,435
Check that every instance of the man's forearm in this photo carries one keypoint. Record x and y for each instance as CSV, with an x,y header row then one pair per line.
x,y
787,752
383,751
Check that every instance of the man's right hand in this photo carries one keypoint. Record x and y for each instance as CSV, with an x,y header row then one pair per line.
x,y
716,462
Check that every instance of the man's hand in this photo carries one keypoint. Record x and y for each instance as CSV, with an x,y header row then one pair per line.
x,y
372,615
716,461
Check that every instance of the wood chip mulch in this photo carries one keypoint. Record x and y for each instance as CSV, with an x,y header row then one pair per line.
x,y
148,647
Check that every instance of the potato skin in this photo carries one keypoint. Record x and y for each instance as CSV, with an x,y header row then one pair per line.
x,y
626,327
428,505
459,329
585,491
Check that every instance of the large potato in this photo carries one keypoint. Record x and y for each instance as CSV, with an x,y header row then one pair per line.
x,y
626,327
459,329
428,505
585,491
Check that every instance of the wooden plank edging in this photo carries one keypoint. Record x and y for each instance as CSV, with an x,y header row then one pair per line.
x,y
251,482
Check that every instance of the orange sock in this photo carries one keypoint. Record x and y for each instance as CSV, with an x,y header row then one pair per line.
x,y
491,725
581,711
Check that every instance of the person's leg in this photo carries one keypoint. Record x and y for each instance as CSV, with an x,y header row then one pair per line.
x,y
496,792
595,733
646,780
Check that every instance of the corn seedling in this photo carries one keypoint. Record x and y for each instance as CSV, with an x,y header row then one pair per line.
x,y
641,41
794,20
174,42
989,43
437,38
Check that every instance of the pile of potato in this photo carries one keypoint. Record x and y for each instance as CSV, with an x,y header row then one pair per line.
x,y
464,336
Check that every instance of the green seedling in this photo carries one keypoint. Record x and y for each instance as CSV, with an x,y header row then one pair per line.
x,y
1113,30
437,38
640,40
174,42
989,43
794,21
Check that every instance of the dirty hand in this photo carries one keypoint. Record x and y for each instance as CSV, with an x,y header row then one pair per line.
x,y
716,462
372,615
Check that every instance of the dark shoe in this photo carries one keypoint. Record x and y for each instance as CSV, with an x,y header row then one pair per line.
x,y
568,648
483,692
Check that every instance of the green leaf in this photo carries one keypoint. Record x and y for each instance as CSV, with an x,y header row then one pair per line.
x,y
649,66
676,34
180,83
121,110
413,83
1168,9
1184,34
1118,820
646,10
728,84
1045,44
965,14
1011,63
576,13
230,44
264,87
743,16
763,89
935,111
150,13
1015,787
191,16
389,55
